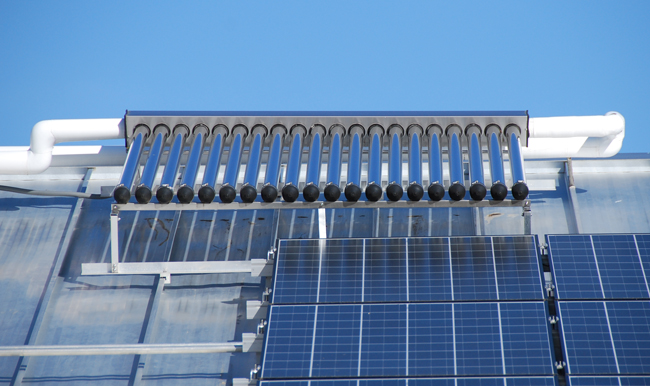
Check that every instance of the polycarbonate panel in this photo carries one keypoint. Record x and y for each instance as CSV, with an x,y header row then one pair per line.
x,y
289,342
296,274
597,267
336,343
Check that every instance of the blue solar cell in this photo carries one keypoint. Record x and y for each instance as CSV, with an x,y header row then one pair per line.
x,y
519,274
620,267
574,267
643,243
525,333
635,381
609,381
473,268
296,274
289,342
383,347
336,343
341,279
430,339
429,274
382,382
587,341
287,383
531,381
630,324
431,382
480,382
385,276
478,339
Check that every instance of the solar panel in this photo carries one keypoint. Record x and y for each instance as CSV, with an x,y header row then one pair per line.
x,y
478,381
607,381
407,269
606,337
407,339
600,266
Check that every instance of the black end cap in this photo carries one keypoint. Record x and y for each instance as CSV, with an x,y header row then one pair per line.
x,y
332,192
206,194
290,193
311,193
477,191
352,192
164,195
122,195
185,194
373,192
227,194
436,192
457,192
415,192
269,193
519,191
248,193
143,194
498,191
394,192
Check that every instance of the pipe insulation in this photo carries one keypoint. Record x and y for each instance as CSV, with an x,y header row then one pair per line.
x,y
45,134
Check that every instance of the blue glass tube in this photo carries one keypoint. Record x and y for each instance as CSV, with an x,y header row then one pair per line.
x,y
155,150
234,159
295,155
395,159
435,158
496,163
270,190
192,165
516,161
415,160
374,159
173,161
315,153
354,160
254,157
214,160
334,166
122,192
475,159
455,160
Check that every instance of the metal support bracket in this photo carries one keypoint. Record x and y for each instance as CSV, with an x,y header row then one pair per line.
x,y
527,213
256,309
252,342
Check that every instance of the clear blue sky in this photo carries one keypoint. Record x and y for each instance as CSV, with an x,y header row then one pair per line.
x,y
91,59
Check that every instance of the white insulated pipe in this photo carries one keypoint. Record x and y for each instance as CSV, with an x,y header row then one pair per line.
x,y
596,136
45,134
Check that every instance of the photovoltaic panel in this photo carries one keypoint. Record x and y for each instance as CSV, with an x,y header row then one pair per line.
x,y
598,267
407,269
482,381
336,342
478,339
606,337
607,381
431,339
383,345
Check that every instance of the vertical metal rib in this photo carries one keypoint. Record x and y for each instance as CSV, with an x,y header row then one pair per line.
x,y
499,191
122,192
456,175
290,191
270,189
185,192
519,187
436,189
165,192
415,190
332,190
394,190
373,190
248,192
353,187
143,192
207,193
477,188
227,193
311,192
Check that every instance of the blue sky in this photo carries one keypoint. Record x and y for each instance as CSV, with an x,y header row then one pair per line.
x,y
82,59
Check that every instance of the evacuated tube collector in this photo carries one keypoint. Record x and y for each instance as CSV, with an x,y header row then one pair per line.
x,y
394,190
165,192
499,191
206,192
353,187
227,193
270,189
185,192
519,187
290,190
143,192
456,175
122,192
311,192
415,190
373,190
248,192
332,190
436,189
477,190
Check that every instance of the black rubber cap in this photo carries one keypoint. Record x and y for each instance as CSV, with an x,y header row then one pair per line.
x,y
227,194
332,192
415,192
164,195
185,194
457,192
122,195
248,193
352,192
394,192
498,191
373,192
206,194
269,193
477,191
436,192
143,194
311,193
519,191
290,193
